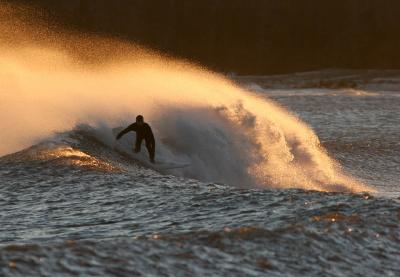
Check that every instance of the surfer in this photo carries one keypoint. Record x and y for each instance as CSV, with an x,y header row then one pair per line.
x,y
143,131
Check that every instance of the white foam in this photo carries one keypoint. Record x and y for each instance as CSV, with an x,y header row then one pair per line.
x,y
226,132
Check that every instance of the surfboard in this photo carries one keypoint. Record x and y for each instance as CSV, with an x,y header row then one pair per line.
x,y
143,159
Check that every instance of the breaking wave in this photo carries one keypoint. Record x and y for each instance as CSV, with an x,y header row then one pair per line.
x,y
226,132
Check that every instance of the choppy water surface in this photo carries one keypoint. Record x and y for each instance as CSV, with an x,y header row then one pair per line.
x,y
74,206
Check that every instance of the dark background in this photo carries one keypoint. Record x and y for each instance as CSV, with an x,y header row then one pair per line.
x,y
248,36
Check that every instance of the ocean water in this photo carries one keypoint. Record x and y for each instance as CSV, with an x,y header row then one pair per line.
x,y
357,127
71,206
288,176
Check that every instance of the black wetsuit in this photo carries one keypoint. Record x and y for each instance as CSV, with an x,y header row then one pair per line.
x,y
142,132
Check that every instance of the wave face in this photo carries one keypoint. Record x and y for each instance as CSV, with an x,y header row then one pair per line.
x,y
227,133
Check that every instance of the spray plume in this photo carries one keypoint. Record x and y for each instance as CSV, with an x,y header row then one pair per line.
x,y
51,80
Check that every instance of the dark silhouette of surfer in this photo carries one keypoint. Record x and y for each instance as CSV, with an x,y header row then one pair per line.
x,y
143,131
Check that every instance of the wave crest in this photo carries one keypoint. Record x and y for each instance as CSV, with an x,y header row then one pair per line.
x,y
228,133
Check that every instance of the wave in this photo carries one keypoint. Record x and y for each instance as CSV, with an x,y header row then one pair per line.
x,y
228,133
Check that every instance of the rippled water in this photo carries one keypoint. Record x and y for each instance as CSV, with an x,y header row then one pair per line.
x,y
75,207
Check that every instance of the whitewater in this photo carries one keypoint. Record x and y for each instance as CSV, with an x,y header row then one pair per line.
x,y
227,133
285,178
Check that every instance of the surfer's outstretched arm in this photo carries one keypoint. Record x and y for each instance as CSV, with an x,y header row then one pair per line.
x,y
126,130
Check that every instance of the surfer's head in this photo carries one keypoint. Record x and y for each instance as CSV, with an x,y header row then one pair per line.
x,y
139,119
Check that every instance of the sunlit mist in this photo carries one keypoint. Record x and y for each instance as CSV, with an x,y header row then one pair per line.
x,y
51,81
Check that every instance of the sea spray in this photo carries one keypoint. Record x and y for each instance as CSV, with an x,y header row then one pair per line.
x,y
53,80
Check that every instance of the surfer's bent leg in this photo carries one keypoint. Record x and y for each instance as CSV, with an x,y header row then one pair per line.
x,y
138,144
151,148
